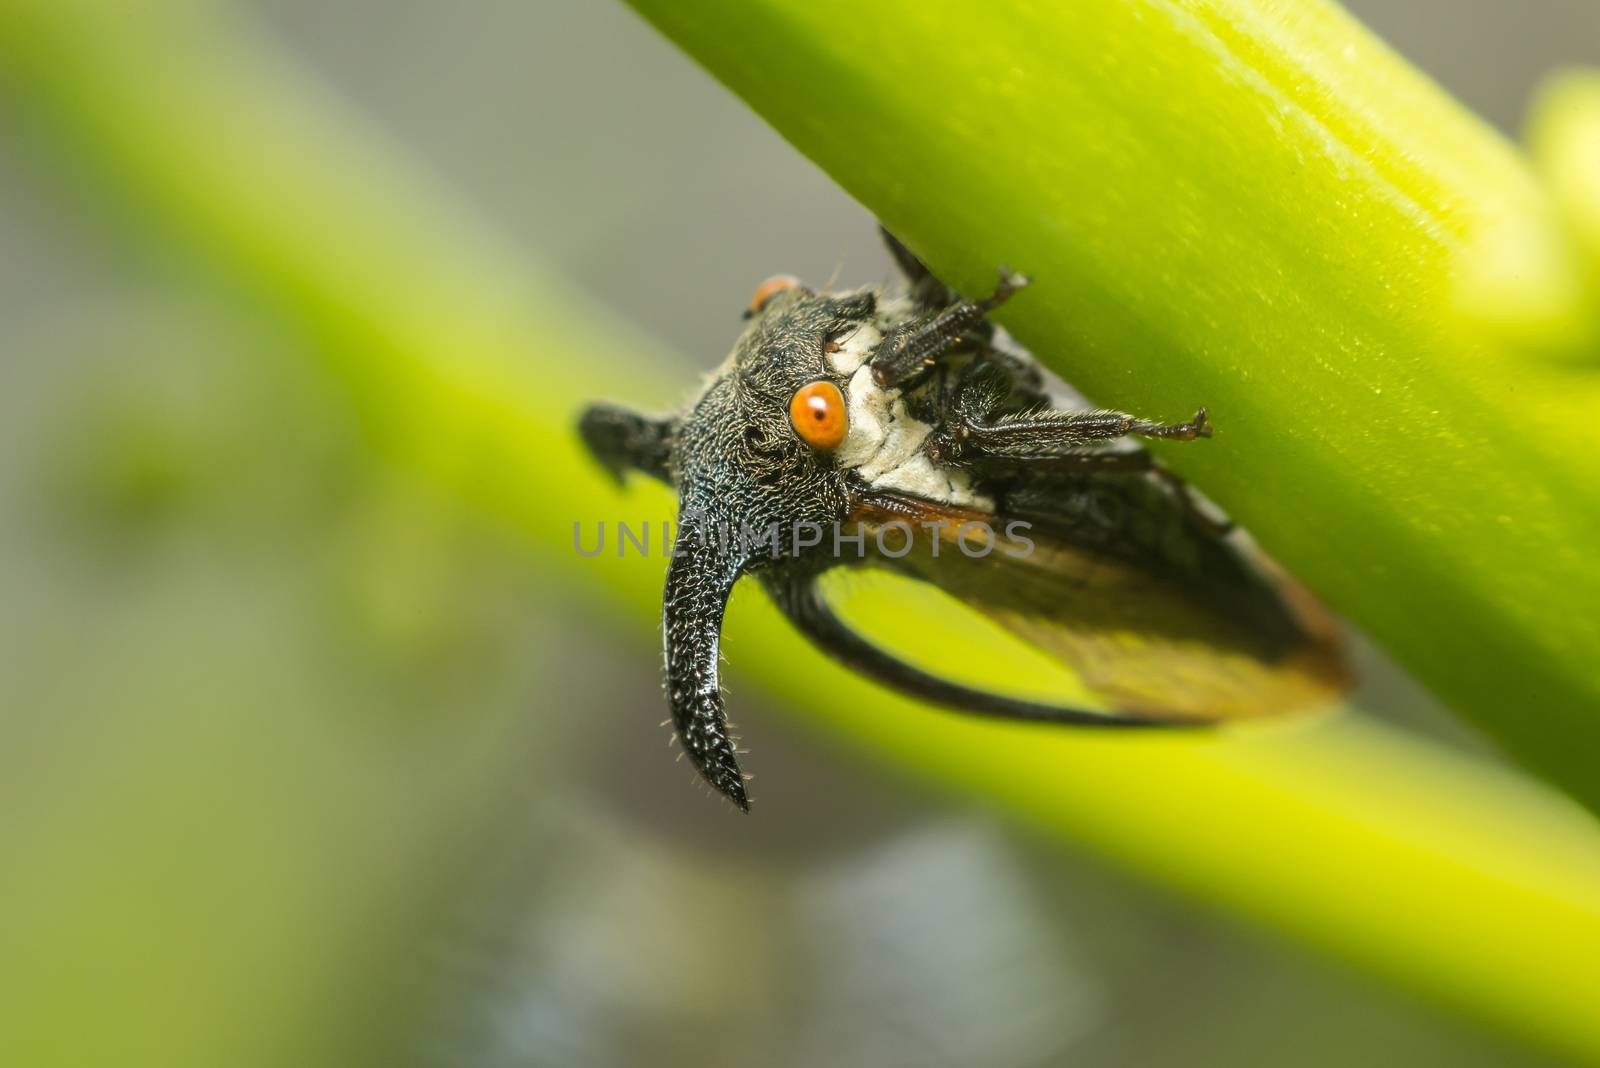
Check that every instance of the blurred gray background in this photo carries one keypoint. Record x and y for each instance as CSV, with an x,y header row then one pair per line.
x,y
602,150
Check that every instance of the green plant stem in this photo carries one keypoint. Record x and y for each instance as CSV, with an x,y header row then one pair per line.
x,y
465,366
1256,206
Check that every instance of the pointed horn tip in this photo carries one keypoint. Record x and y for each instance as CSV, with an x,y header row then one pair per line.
x,y
733,789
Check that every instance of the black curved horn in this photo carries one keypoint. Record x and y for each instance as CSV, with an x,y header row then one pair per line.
x,y
699,578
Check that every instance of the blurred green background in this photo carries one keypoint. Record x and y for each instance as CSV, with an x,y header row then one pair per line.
x,y
301,762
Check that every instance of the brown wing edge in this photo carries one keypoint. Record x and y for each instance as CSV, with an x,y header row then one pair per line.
x,y
1313,671
803,604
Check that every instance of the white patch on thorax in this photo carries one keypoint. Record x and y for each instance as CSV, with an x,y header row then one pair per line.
x,y
885,444
854,348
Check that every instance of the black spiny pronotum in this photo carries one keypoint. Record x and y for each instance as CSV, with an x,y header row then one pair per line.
x,y
946,455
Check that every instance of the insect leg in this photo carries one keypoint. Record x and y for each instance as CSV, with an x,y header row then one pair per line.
x,y
985,397
622,440
908,349
1053,434
978,428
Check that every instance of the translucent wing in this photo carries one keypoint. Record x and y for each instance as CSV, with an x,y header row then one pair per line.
x,y
1125,599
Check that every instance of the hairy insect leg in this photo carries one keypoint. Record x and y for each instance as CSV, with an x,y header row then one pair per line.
x,y
1053,434
909,349
623,440
978,427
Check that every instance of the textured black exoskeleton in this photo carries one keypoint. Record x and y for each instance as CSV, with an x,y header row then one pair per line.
x,y
912,411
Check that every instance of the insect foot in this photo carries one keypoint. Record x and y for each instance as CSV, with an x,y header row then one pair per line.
x,y
1010,282
1198,427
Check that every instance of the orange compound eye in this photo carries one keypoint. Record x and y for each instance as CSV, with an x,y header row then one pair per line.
x,y
818,414
769,289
